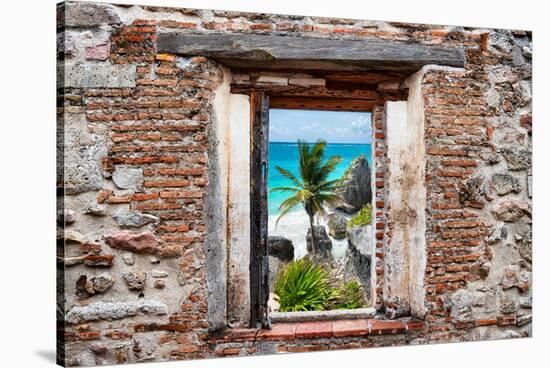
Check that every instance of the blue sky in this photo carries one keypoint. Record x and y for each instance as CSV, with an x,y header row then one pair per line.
x,y
310,125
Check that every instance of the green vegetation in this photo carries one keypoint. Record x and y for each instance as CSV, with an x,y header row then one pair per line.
x,y
304,286
312,189
349,296
363,217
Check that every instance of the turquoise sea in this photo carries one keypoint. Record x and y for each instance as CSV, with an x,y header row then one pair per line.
x,y
285,154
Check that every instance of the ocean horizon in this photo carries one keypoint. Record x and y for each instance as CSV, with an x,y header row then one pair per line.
x,y
285,154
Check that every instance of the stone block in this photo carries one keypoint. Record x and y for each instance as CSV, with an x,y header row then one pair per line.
x,y
98,52
128,178
139,243
81,14
111,310
134,219
97,76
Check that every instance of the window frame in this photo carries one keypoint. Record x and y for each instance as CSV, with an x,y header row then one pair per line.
x,y
260,103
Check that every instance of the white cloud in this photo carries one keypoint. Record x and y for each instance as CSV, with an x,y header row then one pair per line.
x,y
362,125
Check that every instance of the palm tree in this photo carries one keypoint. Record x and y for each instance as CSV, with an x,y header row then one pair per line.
x,y
313,189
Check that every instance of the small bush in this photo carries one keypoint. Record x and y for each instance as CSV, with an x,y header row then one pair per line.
x,y
303,286
363,217
348,296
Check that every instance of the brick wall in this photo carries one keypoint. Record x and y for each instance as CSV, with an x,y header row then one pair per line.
x,y
135,134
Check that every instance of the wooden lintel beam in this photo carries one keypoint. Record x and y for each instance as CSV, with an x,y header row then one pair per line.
x,y
307,53
333,104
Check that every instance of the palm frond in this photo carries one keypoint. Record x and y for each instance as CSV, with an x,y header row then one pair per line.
x,y
284,189
329,166
312,189
288,205
329,186
287,174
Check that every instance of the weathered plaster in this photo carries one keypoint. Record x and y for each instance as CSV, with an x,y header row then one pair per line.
x,y
216,217
401,181
417,201
239,211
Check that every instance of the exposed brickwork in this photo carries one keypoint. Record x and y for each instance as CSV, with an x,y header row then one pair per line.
x,y
136,158
379,205
316,336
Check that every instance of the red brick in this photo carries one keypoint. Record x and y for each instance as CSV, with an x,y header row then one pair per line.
x,y
460,163
279,331
173,228
486,322
144,196
442,151
114,199
86,336
261,27
311,330
176,24
506,320
165,57
184,194
356,327
182,172
103,195
377,327
414,325
166,184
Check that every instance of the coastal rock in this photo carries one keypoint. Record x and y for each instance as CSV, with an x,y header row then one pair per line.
x,y
275,267
281,251
359,237
139,243
324,244
357,260
281,248
337,225
356,189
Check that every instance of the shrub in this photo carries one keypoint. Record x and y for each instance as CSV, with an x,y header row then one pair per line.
x,y
349,295
363,217
303,286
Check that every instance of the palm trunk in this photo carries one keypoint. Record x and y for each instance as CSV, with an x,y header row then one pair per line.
x,y
313,237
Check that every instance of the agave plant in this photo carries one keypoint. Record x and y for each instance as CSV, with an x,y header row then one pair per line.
x,y
303,286
349,295
313,189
